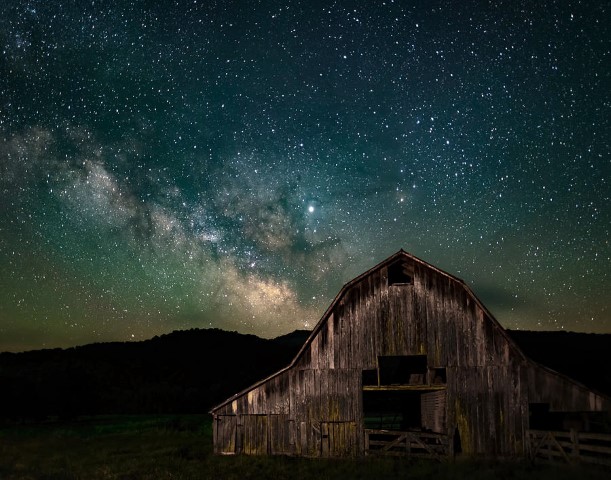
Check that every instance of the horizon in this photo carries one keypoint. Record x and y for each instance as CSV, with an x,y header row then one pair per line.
x,y
129,341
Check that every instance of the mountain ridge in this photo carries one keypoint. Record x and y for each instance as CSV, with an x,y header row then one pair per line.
x,y
189,371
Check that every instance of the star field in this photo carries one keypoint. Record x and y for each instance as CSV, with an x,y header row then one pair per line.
x,y
232,164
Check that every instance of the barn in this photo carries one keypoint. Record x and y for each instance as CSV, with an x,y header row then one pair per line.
x,y
406,360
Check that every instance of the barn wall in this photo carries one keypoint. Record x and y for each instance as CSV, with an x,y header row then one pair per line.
x,y
315,407
562,394
487,407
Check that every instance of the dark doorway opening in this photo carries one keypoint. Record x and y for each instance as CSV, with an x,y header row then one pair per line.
x,y
404,410
370,377
540,418
402,370
392,410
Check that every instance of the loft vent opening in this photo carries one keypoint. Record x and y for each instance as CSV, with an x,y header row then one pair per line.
x,y
370,377
437,376
400,273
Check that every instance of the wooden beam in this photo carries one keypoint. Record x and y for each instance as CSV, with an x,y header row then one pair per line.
x,y
416,388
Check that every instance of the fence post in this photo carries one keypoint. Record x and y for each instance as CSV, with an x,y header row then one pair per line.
x,y
575,443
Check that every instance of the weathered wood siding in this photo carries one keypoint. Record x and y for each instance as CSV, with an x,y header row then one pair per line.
x,y
486,405
567,395
315,406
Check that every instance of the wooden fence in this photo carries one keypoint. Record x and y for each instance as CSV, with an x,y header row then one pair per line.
x,y
572,446
415,444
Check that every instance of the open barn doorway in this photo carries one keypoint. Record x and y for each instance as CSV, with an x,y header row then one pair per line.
x,y
404,394
404,407
403,410
392,410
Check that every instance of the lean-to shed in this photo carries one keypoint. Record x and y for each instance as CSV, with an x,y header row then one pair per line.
x,y
405,359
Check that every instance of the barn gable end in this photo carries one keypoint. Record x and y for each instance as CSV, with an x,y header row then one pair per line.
x,y
404,347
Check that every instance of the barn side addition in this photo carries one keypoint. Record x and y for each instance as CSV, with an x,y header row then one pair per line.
x,y
405,361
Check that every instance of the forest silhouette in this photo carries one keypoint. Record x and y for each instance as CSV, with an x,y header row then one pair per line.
x,y
190,371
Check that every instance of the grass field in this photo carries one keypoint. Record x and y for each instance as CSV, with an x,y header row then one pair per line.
x,y
180,447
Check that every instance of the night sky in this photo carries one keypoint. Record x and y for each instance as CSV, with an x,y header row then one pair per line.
x,y
232,164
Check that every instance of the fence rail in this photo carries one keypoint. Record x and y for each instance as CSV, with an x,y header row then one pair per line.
x,y
572,446
414,444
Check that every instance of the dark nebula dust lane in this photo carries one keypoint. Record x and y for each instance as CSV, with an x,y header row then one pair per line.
x,y
232,164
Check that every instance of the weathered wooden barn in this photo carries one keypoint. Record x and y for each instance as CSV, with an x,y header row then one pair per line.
x,y
405,360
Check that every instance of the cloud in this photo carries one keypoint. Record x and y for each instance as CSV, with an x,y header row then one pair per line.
x,y
495,295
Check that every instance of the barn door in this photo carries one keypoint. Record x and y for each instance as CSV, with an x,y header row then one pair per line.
x,y
255,435
225,434
337,439
280,434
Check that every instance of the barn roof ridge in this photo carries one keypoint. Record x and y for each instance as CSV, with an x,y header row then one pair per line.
x,y
389,260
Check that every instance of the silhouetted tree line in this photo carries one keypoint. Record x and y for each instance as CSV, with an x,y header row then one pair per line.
x,y
183,372
191,371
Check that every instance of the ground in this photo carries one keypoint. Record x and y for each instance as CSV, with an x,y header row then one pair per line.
x,y
180,447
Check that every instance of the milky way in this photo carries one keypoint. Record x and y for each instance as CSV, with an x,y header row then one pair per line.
x,y
232,164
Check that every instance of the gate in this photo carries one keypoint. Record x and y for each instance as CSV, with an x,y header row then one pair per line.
x,y
571,446
410,443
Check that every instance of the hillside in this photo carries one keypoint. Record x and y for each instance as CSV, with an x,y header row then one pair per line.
x,y
182,372
190,371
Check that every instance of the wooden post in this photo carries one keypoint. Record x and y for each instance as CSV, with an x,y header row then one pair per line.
x,y
575,444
